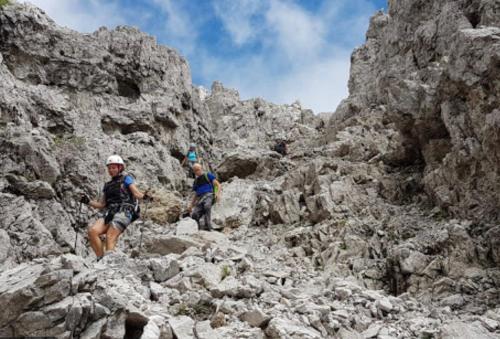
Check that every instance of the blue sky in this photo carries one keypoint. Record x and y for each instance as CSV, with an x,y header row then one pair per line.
x,y
280,50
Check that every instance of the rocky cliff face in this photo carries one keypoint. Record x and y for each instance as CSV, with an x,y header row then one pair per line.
x,y
434,68
340,238
67,100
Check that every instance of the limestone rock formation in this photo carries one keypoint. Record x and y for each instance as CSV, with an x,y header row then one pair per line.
x,y
433,68
380,222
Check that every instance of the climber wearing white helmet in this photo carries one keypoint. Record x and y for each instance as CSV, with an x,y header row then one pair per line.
x,y
119,205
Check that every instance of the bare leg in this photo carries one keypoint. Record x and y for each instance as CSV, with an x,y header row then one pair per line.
x,y
111,238
94,232
103,242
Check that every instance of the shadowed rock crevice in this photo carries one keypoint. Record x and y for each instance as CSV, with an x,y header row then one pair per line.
x,y
134,326
109,127
128,88
474,18
176,153
473,12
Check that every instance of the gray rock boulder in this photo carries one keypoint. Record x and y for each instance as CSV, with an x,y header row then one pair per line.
x,y
186,226
182,327
203,330
283,328
250,163
460,330
237,204
254,317
164,268
165,244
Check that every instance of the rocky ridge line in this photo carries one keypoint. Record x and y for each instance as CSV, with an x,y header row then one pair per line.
x,y
310,240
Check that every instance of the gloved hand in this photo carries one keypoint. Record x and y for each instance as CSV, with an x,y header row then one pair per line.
x,y
85,199
147,197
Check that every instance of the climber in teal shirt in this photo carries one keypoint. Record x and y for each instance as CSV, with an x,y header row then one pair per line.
x,y
191,158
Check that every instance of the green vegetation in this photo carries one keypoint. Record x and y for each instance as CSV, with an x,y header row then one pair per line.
x,y
182,310
200,311
58,140
61,141
440,215
341,223
226,272
391,235
4,2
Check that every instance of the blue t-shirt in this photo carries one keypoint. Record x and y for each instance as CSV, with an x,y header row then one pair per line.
x,y
128,181
191,156
201,186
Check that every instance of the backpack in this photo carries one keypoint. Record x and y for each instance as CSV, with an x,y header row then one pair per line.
x,y
127,198
214,188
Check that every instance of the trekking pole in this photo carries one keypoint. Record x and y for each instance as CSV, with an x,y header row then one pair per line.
x,y
140,227
78,223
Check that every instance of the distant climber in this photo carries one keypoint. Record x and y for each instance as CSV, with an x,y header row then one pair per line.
x,y
119,207
191,158
281,147
207,191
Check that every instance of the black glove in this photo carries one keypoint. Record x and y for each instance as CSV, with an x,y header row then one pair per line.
x,y
147,197
84,199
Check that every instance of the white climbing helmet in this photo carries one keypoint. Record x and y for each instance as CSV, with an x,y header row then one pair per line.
x,y
115,159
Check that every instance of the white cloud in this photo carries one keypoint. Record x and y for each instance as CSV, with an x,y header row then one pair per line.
x,y
320,84
298,34
297,63
348,26
181,26
239,18
302,57
83,16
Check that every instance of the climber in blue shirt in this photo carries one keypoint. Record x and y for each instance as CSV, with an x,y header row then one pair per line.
x,y
207,191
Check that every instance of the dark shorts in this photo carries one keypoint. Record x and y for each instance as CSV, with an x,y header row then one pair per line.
x,y
120,220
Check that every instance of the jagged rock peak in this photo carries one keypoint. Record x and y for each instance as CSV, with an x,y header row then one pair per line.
x,y
433,68
123,61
